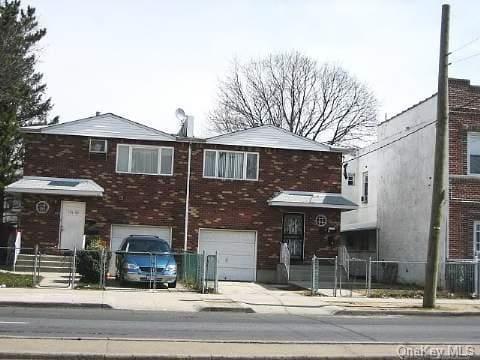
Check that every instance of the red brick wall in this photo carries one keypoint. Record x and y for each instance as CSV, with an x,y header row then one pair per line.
x,y
464,209
128,198
160,200
243,205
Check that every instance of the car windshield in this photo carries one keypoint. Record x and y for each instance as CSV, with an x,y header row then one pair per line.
x,y
147,245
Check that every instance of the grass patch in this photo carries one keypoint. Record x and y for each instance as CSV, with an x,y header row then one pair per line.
x,y
412,293
15,280
396,293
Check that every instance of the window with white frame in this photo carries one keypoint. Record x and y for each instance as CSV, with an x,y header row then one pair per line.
x,y
365,187
236,165
476,238
473,149
142,159
350,179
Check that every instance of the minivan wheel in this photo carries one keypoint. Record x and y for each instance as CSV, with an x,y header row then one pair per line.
x,y
172,285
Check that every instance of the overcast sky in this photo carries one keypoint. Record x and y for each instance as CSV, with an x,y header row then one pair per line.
x,y
143,59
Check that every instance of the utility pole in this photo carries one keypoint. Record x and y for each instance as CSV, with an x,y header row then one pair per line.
x,y
438,193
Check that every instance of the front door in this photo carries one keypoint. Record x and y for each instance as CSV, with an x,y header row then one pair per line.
x,y
293,234
72,224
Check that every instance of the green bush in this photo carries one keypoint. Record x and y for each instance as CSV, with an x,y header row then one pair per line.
x,y
89,260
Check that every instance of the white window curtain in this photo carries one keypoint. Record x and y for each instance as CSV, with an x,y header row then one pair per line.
x,y
252,165
234,165
166,162
210,160
230,165
145,161
222,164
122,158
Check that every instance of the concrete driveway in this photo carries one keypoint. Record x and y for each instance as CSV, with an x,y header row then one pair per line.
x,y
267,299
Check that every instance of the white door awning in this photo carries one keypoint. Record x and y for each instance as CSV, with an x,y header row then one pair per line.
x,y
312,199
55,186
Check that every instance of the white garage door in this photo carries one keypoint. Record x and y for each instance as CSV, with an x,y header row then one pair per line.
x,y
236,249
120,232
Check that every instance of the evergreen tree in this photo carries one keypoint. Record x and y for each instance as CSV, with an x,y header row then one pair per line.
x,y
22,92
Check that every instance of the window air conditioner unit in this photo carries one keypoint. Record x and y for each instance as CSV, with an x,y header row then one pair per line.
x,y
98,146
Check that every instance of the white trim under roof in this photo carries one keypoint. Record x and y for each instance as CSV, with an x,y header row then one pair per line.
x,y
55,186
269,136
103,126
311,199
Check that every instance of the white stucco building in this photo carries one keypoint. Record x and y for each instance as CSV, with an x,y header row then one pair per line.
x,y
392,222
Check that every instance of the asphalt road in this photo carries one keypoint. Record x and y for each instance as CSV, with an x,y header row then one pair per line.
x,y
107,323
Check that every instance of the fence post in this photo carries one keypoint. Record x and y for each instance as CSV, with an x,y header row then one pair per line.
x,y
74,268
155,272
335,277
369,279
102,269
352,281
35,266
475,269
204,270
477,266
216,273
314,274
184,266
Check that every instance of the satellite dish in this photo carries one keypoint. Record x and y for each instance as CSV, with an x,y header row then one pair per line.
x,y
180,114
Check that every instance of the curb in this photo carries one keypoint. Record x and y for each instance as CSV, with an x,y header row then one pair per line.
x,y
75,356
55,305
235,309
405,312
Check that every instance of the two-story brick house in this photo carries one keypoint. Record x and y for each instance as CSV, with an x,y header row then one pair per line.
x,y
244,192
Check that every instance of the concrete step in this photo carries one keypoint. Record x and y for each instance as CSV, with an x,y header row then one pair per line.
x,y
43,264
58,269
45,257
47,263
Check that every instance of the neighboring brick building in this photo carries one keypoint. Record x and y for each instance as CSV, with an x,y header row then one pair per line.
x,y
123,178
400,170
464,169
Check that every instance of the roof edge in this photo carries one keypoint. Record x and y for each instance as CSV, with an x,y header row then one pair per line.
x,y
408,109
325,146
55,126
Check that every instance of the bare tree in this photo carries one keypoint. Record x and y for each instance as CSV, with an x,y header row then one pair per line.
x,y
290,90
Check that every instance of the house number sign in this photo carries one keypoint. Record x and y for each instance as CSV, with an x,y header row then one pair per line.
x,y
320,220
42,207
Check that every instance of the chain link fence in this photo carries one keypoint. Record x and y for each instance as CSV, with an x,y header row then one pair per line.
x,y
324,275
382,278
463,277
104,269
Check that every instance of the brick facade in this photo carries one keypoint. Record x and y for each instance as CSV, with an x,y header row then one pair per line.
x,y
464,197
160,200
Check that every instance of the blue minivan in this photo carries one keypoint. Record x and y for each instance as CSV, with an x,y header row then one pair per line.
x,y
140,255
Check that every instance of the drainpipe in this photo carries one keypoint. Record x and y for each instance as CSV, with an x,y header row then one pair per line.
x,y
187,196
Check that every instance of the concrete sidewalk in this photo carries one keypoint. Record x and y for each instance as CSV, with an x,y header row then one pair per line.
x,y
234,296
155,349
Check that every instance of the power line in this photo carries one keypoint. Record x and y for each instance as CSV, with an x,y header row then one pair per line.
x,y
465,45
392,142
465,58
